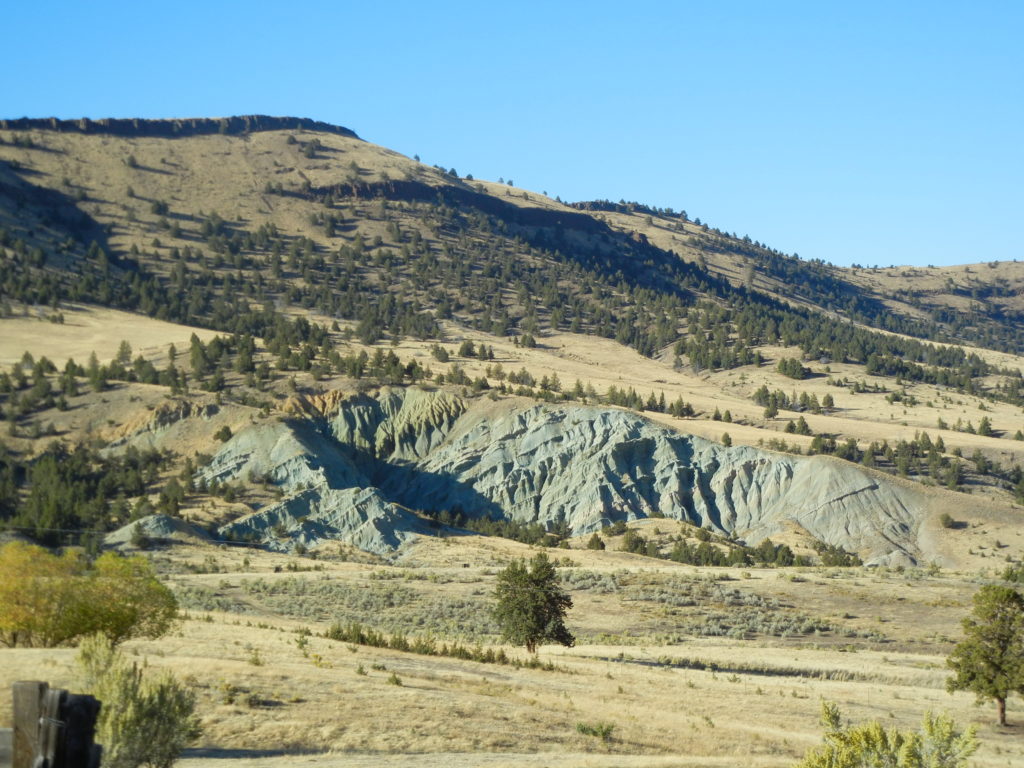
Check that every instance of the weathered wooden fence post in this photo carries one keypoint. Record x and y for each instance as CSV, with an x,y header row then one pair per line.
x,y
28,699
52,728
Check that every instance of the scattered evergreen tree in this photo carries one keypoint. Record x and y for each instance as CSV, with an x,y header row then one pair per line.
x,y
530,605
990,659
793,368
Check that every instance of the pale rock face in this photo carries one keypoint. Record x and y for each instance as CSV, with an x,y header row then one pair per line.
x,y
292,454
398,424
592,466
349,475
158,527
322,468
358,516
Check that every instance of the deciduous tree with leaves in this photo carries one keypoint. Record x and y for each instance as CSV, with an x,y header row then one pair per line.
x,y
48,600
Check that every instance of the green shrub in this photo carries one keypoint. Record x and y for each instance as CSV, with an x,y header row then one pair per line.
x,y
603,731
1014,573
424,646
937,745
139,539
618,528
145,719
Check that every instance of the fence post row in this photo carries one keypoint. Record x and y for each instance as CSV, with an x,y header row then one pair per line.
x,y
53,728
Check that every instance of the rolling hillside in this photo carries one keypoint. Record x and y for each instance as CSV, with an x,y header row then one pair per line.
x,y
325,262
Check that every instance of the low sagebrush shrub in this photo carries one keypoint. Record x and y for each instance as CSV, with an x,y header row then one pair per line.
x,y
146,718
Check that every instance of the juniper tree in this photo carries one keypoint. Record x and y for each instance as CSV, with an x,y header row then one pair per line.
x,y
530,605
990,659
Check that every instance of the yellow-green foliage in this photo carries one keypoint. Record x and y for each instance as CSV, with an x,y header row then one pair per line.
x,y
937,745
48,600
145,718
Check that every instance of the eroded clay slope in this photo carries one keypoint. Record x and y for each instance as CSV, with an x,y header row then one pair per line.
x,y
354,469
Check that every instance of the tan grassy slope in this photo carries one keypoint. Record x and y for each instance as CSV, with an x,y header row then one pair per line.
x,y
88,329
911,291
117,179
230,174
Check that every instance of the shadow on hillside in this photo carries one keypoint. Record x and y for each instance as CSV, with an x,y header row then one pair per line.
x,y
419,489
53,208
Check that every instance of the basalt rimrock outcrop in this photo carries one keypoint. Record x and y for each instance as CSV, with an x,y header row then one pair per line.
x,y
352,467
175,128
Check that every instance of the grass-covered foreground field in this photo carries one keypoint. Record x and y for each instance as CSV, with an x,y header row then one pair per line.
x,y
673,666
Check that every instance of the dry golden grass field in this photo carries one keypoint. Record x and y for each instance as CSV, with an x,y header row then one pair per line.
x,y
270,694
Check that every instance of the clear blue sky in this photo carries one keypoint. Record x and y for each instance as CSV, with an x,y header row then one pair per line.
x,y
870,132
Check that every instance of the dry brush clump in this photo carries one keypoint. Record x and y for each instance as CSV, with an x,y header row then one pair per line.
x,y
717,610
434,577
386,606
593,581
760,669
603,731
426,645
196,597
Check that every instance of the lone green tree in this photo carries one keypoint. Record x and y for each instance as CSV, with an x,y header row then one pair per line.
x,y
530,605
990,658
